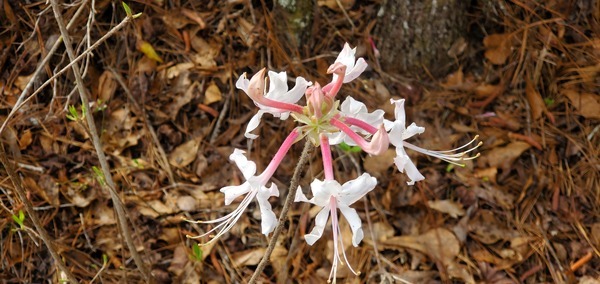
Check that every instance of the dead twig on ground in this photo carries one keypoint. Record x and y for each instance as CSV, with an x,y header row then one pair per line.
x,y
117,203
16,180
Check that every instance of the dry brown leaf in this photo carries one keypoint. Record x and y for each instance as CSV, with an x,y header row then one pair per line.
x,y
381,230
333,4
212,94
486,173
498,48
455,79
587,104
186,203
154,208
486,90
503,157
248,257
194,16
245,29
378,165
447,206
25,139
495,196
536,103
184,154
107,86
439,244
486,228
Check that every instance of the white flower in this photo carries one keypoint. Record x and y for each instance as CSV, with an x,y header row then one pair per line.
x,y
399,133
253,187
353,69
352,108
330,195
277,93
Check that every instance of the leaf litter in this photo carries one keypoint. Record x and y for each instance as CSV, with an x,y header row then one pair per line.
x,y
526,211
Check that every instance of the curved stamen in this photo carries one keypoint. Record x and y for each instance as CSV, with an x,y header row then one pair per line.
x,y
444,155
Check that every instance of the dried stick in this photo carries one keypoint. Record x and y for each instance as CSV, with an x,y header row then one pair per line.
x,y
16,180
284,212
21,100
39,69
163,156
118,205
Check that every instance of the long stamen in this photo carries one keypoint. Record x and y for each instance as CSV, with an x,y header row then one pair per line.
x,y
445,156
228,221
345,257
335,230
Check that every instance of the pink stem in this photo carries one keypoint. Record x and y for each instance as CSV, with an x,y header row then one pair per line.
x,y
278,105
357,122
346,129
274,164
327,160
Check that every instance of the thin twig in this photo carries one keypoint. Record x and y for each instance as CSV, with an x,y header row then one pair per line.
x,y
163,156
284,212
32,215
23,101
20,101
117,203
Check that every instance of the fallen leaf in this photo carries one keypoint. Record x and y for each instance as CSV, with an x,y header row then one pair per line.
x,y
587,104
212,94
378,165
440,244
447,206
186,203
107,86
184,154
248,257
486,228
25,139
503,157
498,48
536,103
333,4
147,49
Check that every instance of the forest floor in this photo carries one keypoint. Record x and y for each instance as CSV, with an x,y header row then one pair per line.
x,y
162,93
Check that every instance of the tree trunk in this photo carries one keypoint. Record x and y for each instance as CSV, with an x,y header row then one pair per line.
x,y
415,36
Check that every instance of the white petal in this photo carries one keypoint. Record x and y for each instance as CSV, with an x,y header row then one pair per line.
x,y
320,223
247,167
253,124
396,133
346,57
268,218
352,107
404,164
354,222
355,189
360,67
323,190
412,130
296,93
277,86
300,197
399,113
242,83
234,191
336,138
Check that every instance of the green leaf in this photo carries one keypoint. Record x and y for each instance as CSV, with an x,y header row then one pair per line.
x,y
19,219
549,101
99,175
104,258
72,115
196,252
127,9
350,149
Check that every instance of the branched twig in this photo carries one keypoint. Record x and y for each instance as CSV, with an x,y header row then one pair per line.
x,y
21,100
118,205
289,200
34,218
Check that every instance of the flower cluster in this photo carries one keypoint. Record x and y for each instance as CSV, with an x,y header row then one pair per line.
x,y
325,122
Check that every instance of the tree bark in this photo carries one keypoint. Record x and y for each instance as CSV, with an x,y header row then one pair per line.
x,y
415,36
